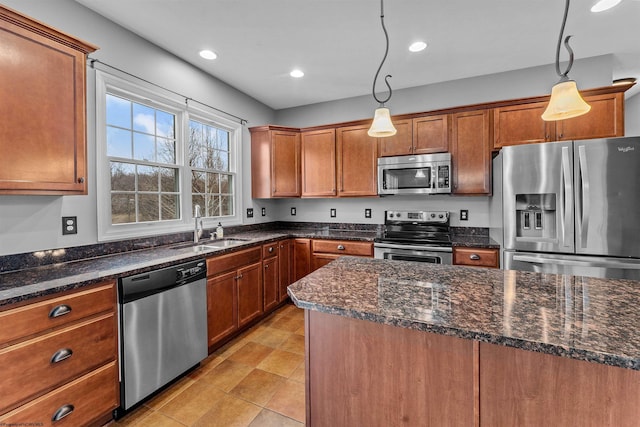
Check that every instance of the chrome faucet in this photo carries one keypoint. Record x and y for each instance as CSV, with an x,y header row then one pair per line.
x,y
197,231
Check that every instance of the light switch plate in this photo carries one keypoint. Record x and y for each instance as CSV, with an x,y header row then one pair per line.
x,y
69,225
367,213
464,215
264,211
293,211
332,213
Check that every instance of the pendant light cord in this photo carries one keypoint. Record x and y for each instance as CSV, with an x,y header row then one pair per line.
x,y
564,76
386,51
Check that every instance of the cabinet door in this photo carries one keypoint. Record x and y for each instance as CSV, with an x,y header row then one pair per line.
x,y
249,288
521,124
284,269
471,152
319,163
270,283
319,260
357,162
222,315
43,85
431,134
285,164
399,144
301,258
605,120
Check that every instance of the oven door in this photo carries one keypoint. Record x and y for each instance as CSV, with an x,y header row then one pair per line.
x,y
416,253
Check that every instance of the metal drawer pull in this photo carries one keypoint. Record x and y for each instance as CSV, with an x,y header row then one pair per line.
x,y
474,257
341,247
271,249
60,355
59,310
62,412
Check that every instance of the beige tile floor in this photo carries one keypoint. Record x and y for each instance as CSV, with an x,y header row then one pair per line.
x,y
256,380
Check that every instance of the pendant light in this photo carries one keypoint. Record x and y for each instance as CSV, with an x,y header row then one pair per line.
x,y
565,101
382,126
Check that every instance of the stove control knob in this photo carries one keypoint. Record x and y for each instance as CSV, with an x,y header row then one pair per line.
x,y
441,216
433,215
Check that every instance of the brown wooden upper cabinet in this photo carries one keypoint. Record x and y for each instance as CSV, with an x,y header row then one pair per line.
x,y
275,162
43,88
471,152
522,123
421,135
357,162
319,163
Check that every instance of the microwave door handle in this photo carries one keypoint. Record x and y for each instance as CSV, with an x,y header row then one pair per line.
x,y
586,203
567,194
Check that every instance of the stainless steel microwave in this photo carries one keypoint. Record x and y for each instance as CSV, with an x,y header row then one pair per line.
x,y
421,174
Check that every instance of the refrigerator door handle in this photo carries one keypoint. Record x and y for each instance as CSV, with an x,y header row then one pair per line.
x,y
567,194
585,204
579,263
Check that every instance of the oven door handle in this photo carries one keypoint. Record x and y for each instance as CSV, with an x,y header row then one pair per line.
x,y
413,247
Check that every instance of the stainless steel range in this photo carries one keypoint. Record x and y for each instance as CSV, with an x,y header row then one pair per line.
x,y
422,236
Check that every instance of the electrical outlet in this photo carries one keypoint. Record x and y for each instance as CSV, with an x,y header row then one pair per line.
x,y
249,212
293,211
264,211
332,213
464,215
69,225
367,213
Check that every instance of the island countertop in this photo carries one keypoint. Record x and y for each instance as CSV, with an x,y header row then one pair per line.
x,y
583,318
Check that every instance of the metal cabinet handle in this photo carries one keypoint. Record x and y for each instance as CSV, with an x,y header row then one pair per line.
x,y
270,249
81,180
341,247
59,310
62,354
266,266
474,257
62,412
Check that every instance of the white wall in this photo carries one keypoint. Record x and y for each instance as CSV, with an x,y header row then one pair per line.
x,y
29,223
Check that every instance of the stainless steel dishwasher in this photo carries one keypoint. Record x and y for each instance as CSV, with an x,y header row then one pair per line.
x,y
163,328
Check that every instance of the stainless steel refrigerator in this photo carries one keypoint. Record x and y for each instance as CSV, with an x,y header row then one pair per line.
x,y
573,207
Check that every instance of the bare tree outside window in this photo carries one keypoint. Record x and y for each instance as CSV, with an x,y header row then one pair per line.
x,y
212,182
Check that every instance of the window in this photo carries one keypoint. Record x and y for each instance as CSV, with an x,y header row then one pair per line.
x,y
157,158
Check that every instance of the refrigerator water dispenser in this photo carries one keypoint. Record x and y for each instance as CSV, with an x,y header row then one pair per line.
x,y
535,215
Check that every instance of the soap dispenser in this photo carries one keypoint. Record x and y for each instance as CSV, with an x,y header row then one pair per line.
x,y
219,231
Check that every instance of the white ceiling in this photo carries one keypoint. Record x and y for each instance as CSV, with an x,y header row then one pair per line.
x,y
339,43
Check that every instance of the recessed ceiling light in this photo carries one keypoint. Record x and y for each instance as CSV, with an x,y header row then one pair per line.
x,y
417,46
296,73
208,54
603,5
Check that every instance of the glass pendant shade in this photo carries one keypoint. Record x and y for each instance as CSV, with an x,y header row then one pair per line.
x,y
565,102
381,126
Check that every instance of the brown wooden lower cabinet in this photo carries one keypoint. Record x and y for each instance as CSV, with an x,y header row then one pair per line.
x,y
478,257
270,282
285,268
362,373
301,258
60,354
325,251
525,388
222,306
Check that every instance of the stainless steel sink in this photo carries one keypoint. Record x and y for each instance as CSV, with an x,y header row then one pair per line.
x,y
210,244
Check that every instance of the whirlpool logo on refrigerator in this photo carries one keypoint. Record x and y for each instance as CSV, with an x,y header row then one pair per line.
x,y
626,149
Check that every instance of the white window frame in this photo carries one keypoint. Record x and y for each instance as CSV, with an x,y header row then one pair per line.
x,y
147,94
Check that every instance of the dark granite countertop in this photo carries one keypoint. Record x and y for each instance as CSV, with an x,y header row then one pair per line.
x,y
474,242
582,318
25,284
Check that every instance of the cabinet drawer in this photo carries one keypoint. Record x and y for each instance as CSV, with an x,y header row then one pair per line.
x,y
480,257
343,247
37,317
29,368
91,396
270,250
220,264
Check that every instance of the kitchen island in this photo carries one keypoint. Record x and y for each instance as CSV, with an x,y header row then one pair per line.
x,y
400,343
